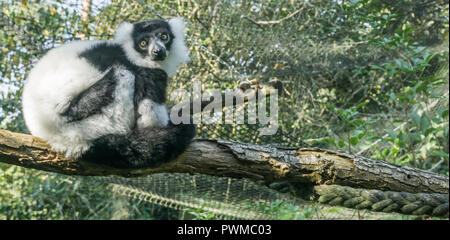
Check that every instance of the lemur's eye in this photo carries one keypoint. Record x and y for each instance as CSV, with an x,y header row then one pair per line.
x,y
164,37
143,44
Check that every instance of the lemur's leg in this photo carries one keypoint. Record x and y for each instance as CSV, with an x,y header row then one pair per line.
x,y
92,100
142,148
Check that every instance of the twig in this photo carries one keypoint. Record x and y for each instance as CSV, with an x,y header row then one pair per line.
x,y
259,23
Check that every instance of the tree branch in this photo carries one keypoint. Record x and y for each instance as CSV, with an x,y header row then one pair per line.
x,y
241,160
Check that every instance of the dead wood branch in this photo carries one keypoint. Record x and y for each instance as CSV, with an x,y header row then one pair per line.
x,y
241,160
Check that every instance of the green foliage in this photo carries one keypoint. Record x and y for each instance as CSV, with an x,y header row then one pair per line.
x,y
421,134
29,194
285,210
355,127
200,214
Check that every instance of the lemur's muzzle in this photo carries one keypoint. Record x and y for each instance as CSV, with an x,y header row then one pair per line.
x,y
158,51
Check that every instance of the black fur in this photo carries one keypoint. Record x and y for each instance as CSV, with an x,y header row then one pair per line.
x,y
104,55
150,83
92,100
142,148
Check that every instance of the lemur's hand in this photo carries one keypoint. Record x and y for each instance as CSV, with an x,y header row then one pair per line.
x,y
254,84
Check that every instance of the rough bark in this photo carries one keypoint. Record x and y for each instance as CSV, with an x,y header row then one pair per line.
x,y
241,160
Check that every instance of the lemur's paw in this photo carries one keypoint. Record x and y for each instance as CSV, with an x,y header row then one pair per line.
x,y
254,84
246,84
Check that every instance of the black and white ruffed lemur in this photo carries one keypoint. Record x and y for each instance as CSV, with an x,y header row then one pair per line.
x,y
103,101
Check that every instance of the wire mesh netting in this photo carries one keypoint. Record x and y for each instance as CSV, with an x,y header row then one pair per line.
x,y
206,197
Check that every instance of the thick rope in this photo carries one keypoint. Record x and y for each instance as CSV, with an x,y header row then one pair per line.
x,y
431,204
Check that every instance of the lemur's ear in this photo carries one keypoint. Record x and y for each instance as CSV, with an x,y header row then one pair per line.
x,y
177,26
123,32
178,53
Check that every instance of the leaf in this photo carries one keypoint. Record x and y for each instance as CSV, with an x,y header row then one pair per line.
x,y
354,141
331,141
444,113
415,118
375,138
429,130
421,88
415,137
375,67
391,133
441,154
330,106
362,104
394,151
424,123
363,134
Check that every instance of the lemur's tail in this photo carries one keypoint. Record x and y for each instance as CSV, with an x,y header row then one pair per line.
x,y
148,147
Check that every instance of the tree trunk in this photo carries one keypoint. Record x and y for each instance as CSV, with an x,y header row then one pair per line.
x,y
241,160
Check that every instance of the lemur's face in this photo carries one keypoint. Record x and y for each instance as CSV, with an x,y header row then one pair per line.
x,y
154,44
153,39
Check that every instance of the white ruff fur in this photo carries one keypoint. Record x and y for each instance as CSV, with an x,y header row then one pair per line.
x,y
61,75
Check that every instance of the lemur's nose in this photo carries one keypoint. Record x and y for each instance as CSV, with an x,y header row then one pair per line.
x,y
159,53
